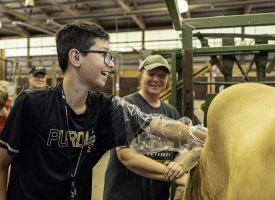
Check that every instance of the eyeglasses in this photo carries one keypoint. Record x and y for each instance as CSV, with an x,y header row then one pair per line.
x,y
108,58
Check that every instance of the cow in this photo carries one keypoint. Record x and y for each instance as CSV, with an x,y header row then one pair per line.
x,y
237,161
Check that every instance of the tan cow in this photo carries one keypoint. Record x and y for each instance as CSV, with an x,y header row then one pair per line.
x,y
238,158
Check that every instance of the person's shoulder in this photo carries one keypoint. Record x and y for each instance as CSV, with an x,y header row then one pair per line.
x,y
168,105
39,92
131,97
35,94
172,110
100,96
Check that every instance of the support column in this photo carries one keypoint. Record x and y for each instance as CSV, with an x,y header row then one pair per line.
x,y
187,72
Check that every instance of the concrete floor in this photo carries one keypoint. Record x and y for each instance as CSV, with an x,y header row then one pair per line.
x,y
98,177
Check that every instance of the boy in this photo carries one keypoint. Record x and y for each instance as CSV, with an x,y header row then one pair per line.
x,y
53,137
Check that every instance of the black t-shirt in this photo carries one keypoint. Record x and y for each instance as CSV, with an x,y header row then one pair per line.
x,y
45,153
123,184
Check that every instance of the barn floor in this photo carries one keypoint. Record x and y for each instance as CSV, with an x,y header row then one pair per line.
x,y
98,177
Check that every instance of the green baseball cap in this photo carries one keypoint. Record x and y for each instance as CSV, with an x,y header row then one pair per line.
x,y
153,61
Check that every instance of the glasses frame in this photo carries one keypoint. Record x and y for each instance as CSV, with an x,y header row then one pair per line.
x,y
104,54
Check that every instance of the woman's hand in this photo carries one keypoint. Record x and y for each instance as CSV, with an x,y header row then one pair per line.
x,y
182,180
173,170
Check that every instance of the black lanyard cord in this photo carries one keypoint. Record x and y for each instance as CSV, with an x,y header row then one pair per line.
x,y
73,192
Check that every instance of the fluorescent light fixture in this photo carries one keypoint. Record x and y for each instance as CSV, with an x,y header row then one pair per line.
x,y
29,3
51,21
183,6
32,27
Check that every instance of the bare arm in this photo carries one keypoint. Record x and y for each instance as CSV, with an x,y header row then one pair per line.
x,y
5,161
173,130
178,159
148,167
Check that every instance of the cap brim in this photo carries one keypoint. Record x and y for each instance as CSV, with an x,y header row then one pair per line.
x,y
155,65
39,71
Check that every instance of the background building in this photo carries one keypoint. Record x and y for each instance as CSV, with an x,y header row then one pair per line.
x,y
230,41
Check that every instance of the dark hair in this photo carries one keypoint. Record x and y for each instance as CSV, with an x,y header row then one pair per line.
x,y
77,35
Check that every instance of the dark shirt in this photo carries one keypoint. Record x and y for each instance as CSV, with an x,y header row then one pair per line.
x,y
123,184
46,149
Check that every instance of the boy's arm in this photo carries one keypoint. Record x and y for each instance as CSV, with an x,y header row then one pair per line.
x,y
173,130
132,119
5,161
148,167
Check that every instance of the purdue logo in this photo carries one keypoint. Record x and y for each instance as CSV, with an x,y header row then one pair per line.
x,y
76,139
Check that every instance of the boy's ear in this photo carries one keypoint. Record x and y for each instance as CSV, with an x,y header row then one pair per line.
x,y
74,57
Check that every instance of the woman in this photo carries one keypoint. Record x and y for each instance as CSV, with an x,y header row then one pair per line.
x,y
122,183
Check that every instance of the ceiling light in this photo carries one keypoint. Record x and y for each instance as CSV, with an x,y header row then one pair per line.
x,y
32,27
183,6
51,21
29,3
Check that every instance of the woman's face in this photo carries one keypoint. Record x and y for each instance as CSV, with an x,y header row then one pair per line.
x,y
154,81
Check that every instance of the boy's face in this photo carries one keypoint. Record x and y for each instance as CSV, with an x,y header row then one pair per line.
x,y
95,67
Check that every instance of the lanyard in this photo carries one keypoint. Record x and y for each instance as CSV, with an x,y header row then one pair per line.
x,y
73,192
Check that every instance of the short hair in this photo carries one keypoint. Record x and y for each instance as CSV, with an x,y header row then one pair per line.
x,y
77,35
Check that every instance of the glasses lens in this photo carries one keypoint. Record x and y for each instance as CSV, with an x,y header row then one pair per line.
x,y
108,58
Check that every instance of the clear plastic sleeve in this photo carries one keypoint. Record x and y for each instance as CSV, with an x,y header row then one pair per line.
x,y
135,125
